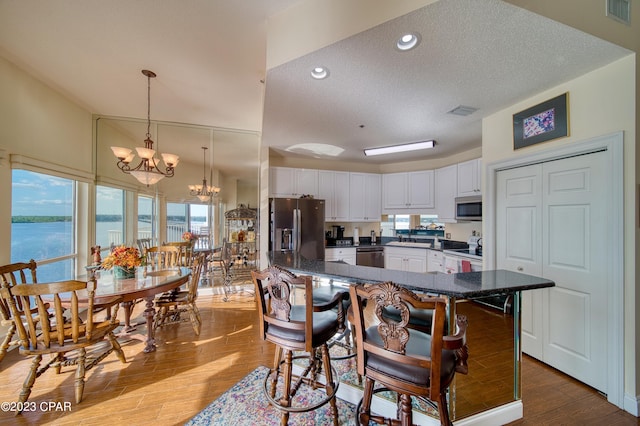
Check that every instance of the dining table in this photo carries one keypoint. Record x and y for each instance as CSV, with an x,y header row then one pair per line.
x,y
145,285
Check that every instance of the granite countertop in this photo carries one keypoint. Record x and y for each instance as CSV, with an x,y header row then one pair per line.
x,y
467,285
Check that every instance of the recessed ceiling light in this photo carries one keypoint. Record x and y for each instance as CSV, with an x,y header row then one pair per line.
x,y
320,73
414,146
408,41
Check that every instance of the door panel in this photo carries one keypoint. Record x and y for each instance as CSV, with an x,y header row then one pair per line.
x,y
519,235
548,220
575,208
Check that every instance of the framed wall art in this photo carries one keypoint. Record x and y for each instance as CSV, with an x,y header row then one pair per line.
x,y
541,123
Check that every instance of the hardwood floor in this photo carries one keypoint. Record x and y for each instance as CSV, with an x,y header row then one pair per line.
x,y
187,372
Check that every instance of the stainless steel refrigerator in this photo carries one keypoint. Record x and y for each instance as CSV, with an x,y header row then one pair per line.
x,y
297,225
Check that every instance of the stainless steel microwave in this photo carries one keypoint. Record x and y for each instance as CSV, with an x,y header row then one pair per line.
x,y
469,208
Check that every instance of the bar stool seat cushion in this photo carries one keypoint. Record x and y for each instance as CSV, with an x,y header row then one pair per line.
x,y
325,325
419,345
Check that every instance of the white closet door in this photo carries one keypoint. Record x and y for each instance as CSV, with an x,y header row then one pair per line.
x,y
519,248
574,214
548,223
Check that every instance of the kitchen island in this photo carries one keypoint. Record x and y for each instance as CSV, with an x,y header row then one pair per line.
x,y
457,287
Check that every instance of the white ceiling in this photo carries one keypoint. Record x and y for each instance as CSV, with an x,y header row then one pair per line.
x,y
210,58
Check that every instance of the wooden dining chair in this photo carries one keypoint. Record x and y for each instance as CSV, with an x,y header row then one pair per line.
x,y
10,276
171,305
163,257
297,328
186,248
60,331
402,359
143,245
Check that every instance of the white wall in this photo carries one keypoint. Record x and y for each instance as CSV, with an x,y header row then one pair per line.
x,y
600,102
40,125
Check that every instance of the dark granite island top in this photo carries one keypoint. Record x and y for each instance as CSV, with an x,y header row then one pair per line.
x,y
466,285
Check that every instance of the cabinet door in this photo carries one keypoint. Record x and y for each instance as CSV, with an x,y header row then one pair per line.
x,y
434,261
446,184
364,198
372,206
326,192
290,182
306,182
420,190
416,263
469,178
394,190
342,193
393,259
333,187
350,259
281,182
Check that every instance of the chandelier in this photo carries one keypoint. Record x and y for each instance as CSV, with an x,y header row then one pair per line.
x,y
204,192
147,171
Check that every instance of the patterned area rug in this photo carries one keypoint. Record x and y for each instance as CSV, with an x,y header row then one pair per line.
x,y
246,404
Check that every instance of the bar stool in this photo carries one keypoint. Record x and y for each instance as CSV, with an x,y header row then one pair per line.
x,y
301,328
402,359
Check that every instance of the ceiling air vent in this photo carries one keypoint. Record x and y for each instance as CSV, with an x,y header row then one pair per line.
x,y
463,110
620,10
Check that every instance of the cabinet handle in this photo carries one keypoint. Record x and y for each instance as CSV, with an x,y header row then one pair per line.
x,y
520,268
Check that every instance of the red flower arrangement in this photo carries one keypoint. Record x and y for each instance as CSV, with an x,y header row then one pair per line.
x,y
189,236
124,257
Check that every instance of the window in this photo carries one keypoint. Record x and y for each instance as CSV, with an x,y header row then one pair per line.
x,y
109,217
188,217
43,223
427,220
146,217
177,220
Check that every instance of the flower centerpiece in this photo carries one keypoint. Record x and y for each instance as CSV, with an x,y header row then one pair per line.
x,y
124,261
189,236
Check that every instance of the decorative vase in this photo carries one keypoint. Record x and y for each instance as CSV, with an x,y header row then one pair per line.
x,y
122,273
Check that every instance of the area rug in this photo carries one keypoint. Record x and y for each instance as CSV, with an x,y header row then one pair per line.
x,y
246,404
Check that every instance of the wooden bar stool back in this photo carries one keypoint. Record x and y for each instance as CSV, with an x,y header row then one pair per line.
x,y
400,358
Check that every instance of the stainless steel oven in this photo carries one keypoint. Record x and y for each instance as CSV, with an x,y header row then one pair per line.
x,y
370,256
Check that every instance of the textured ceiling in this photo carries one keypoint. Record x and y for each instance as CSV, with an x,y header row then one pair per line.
x,y
485,54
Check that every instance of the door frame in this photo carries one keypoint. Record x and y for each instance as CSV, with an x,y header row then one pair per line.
x,y
612,144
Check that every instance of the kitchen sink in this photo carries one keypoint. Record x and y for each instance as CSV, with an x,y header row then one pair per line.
x,y
409,244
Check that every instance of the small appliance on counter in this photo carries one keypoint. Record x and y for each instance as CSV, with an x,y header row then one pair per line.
x,y
356,236
475,245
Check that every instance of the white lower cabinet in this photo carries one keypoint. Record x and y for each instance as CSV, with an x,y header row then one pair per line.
x,y
452,264
342,254
405,259
435,261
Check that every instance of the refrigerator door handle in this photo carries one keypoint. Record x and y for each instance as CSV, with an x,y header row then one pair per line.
x,y
299,234
296,230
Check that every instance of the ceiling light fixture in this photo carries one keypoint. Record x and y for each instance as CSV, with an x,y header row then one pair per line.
x,y
147,172
408,41
204,192
414,146
320,73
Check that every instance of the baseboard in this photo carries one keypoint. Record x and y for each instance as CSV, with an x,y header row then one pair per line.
x,y
631,404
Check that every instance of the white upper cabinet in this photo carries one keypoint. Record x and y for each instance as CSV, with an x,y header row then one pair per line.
x,y
364,197
291,182
408,191
333,187
470,178
446,191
